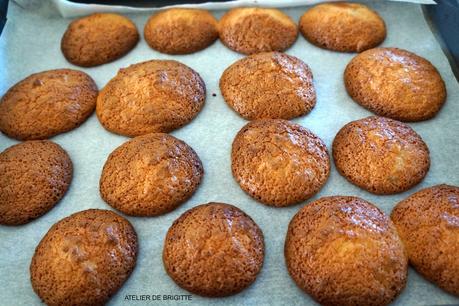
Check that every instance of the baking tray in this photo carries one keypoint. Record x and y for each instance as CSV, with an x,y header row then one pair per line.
x,y
30,43
444,21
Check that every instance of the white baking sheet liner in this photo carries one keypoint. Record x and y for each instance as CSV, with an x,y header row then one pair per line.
x,y
31,43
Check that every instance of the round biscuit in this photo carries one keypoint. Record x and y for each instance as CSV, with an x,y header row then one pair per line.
x,y
34,176
381,155
84,259
152,96
428,223
269,85
181,31
150,175
395,83
47,103
345,251
98,39
345,27
214,250
254,30
279,163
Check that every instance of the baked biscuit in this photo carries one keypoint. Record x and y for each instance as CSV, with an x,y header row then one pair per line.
x,y
345,27
34,176
395,83
269,85
84,258
150,175
345,251
381,155
254,30
47,103
214,250
428,223
279,163
152,96
98,39
181,31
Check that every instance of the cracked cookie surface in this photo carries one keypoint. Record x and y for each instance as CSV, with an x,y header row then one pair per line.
x,y
254,30
47,103
381,155
98,39
84,259
428,223
269,85
150,175
395,83
279,163
345,27
34,176
181,31
152,96
345,251
214,250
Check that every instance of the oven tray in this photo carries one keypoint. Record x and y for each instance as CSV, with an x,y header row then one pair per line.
x,y
31,43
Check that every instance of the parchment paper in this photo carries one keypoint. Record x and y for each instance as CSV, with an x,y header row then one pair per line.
x,y
31,43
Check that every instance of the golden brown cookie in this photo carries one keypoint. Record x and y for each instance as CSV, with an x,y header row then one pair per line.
x,y
98,39
279,163
34,176
395,83
428,223
84,258
152,96
254,30
345,27
381,155
150,175
181,31
345,251
269,85
47,103
214,250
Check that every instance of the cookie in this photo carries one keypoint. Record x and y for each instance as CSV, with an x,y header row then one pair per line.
x,y
254,30
98,39
181,31
269,85
84,258
34,176
381,155
47,103
150,175
395,83
214,250
279,163
345,251
345,27
428,223
152,96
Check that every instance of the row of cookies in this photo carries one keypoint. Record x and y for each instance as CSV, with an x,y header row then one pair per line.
x,y
390,82
146,176
277,162
169,95
338,249
101,38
